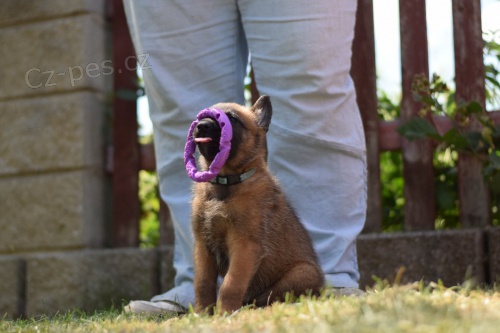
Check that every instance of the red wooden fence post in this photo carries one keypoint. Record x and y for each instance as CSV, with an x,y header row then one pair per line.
x,y
475,210
418,169
363,72
126,210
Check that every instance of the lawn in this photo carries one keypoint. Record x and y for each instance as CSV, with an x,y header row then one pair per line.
x,y
408,308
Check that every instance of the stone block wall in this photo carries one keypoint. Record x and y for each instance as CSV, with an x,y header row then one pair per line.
x,y
52,124
55,93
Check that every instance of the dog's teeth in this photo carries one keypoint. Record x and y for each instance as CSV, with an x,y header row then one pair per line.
x,y
202,140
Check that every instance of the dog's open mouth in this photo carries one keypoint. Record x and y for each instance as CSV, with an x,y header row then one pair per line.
x,y
207,130
206,135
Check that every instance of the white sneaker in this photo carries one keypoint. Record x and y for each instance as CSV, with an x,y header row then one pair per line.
x,y
158,307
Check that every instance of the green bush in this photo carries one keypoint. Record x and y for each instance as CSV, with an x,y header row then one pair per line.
x,y
149,224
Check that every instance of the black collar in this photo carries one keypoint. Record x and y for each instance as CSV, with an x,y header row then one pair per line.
x,y
233,179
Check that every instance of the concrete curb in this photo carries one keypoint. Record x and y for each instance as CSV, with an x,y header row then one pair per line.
x,y
52,282
451,256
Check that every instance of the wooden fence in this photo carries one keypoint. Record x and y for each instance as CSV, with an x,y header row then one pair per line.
x,y
128,157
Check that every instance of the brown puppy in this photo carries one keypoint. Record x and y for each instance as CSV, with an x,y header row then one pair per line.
x,y
244,228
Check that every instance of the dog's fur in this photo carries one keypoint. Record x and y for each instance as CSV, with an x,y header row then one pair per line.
x,y
247,232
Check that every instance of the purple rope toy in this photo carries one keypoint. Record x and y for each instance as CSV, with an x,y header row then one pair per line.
x,y
224,146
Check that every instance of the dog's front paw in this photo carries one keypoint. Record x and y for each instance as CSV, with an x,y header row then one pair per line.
x,y
228,305
226,309
201,308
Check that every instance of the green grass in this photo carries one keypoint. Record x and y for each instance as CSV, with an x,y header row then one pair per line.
x,y
410,308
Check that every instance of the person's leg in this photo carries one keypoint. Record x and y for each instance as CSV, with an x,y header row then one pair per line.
x,y
301,53
197,57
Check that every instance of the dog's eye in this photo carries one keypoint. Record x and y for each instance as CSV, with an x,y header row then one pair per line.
x,y
232,119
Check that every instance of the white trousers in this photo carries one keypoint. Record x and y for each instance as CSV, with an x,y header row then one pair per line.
x,y
301,51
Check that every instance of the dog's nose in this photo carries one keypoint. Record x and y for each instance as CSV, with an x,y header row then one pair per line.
x,y
206,124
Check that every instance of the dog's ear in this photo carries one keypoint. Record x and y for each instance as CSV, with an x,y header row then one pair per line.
x,y
264,111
